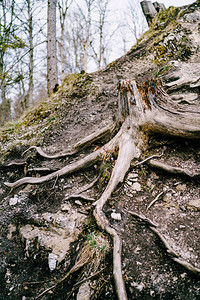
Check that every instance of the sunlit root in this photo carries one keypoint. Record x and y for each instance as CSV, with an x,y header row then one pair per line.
x,y
85,142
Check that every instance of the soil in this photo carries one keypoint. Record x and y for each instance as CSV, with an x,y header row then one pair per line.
x,y
148,271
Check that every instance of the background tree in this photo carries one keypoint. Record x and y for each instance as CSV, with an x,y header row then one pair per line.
x,y
9,41
101,38
63,6
136,23
52,72
88,38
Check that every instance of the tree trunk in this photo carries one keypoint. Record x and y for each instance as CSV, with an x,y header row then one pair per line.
x,y
30,26
52,72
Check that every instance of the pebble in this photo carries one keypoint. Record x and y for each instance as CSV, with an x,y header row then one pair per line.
x,y
139,286
52,261
116,216
65,207
181,187
194,204
78,202
84,292
137,187
13,201
182,226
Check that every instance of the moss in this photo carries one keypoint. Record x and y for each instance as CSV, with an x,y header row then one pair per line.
x,y
163,70
76,85
30,128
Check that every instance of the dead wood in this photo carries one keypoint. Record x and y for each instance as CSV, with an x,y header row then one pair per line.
x,y
76,196
146,160
155,199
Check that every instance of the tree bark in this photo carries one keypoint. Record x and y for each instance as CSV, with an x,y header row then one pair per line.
x,y
30,30
52,72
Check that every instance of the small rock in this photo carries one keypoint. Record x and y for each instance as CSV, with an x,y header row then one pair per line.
x,y
129,183
139,286
65,207
136,187
84,292
183,275
52,261
14,200
175,278
181,187
194,204
78,202
152,293
116,216
167,197
132,176
182,226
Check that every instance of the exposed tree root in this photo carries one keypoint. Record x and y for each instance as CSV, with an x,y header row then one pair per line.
x,y
127,151
172,254
142,110
85,142
146,160
16,163
173,170
85,162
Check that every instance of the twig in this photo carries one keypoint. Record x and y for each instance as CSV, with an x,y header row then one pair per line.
x,y
156,198
147,159
55,183
40,170
34,282
83,197
15,163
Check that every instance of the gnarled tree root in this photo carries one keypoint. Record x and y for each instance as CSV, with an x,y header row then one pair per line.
x,y
142,110
172,254
172,169
85,142
85,162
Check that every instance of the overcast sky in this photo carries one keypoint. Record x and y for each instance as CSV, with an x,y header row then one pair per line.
x,y
176,2
167,3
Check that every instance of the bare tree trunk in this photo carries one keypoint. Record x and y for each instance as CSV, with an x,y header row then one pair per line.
x,y
52,72
5,110
63,8
30,28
